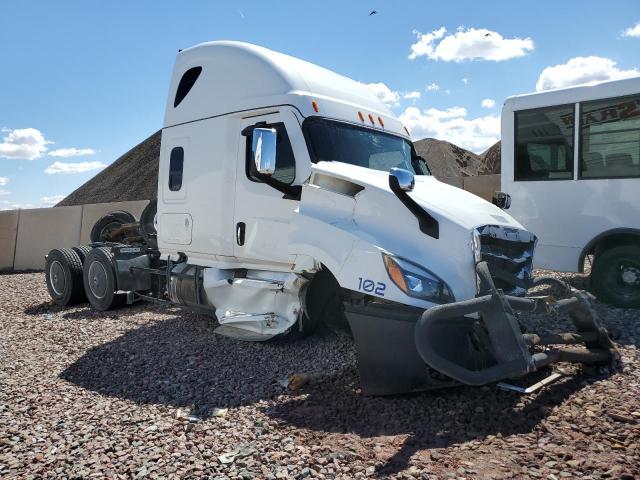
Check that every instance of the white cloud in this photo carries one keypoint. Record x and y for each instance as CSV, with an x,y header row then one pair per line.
x,y
15,206
412,95
4,192
468,44
3,181
23,143
52,200
80,167
384,93
71,152
447,91
433,87
632,31
488,103
465,81
580,70
452,125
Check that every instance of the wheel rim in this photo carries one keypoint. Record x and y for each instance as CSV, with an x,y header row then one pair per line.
x,y
625,276
57,278
98,279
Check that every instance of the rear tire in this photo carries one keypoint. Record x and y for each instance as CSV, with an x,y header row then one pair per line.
x,y
82,251
63,273
147,224
100,280
616,276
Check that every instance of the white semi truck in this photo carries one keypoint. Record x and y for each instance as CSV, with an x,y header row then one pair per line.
x,y
288,196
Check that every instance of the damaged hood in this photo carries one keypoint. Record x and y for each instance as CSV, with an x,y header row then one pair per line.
x,y
444,202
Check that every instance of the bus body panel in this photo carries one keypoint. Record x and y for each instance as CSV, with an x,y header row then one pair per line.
x,y
567,214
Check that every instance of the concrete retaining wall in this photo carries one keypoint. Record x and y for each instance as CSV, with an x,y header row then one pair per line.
x,y
484,185
26,236
8,230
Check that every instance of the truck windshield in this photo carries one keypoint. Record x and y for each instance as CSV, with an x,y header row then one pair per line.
x,y
342,142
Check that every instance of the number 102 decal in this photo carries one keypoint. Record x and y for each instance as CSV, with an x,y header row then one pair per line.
x,y
370,286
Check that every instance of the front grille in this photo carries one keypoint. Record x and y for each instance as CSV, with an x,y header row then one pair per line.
x,y
509,254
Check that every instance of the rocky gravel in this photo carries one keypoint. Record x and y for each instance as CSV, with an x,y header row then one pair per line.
x,y
149,392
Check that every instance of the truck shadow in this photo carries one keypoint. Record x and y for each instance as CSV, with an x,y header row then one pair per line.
x,y
181,363
431,420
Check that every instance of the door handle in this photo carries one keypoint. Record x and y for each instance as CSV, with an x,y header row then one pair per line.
x,y
240,227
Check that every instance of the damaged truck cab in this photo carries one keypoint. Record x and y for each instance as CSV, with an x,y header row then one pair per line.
x,y
289,195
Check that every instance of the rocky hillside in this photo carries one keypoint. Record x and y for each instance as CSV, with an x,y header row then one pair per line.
x,y
134,176
448,160
491,160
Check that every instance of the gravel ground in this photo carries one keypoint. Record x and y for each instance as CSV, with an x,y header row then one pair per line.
x,y
137,393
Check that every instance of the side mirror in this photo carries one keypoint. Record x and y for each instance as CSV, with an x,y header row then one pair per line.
x,y
501,200
403,178
264,150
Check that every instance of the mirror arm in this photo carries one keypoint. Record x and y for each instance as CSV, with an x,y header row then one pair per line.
x,y
428,225
291,192
246,131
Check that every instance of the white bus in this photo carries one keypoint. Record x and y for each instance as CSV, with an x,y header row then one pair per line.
x,y
576,184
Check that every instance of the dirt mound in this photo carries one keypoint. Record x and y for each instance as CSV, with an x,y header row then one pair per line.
x,y
491,160
133,176
447,160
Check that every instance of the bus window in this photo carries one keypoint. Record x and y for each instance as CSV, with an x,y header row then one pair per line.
x,y
610,138
544,143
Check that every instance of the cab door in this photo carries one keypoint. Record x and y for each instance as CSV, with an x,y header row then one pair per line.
x,y
262,212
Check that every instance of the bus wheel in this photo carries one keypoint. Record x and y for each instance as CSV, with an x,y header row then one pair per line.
x,y
616,276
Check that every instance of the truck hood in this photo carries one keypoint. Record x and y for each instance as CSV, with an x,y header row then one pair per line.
x,y
443,201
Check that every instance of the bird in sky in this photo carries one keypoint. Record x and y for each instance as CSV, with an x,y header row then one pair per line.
x,y
373,12
487,35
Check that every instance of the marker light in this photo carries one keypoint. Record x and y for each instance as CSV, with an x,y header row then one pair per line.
x,y
395,273
371,119
314,104
381,122
361,116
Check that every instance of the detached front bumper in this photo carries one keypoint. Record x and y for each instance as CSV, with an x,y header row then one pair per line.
x,y
403,349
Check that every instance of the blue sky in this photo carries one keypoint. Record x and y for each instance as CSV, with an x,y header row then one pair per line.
x,y
91,77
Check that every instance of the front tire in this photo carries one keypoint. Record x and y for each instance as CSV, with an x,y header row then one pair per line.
x,y
63,273
100,280
616,276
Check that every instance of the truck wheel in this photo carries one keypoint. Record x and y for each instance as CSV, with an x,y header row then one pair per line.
x,y
82,251
322,304
102,229
616,276
100,280
63,273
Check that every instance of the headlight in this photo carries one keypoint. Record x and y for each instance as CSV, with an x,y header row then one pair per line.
x,y
417,282
476,245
